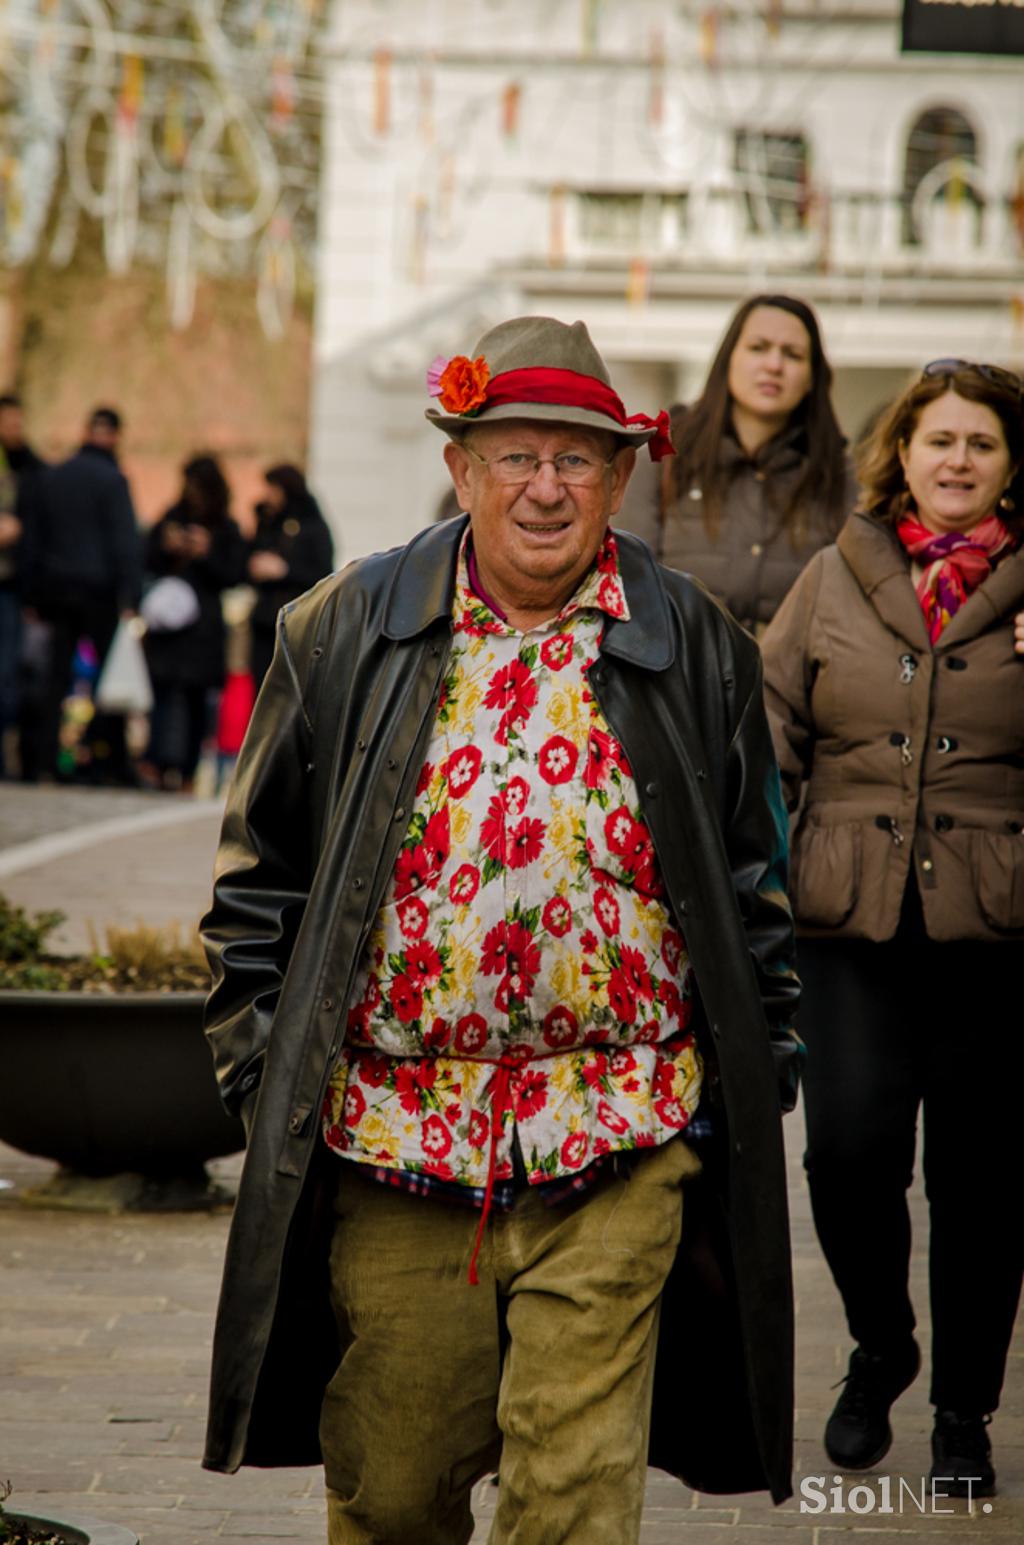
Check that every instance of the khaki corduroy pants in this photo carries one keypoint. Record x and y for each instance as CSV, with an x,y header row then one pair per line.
x,y
423,1404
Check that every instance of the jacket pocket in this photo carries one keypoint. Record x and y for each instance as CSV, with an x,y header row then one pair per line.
x,y
827,880
997,865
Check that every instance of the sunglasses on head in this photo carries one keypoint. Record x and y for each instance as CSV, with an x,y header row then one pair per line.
x,y
1008,379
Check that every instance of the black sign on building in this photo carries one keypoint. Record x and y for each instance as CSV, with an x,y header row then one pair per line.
x,y
963,26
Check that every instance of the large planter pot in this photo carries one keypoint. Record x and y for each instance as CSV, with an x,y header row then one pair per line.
x,y
114,1084
77,1531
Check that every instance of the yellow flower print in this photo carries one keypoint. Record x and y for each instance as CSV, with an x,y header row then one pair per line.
x,y
461,823
470,697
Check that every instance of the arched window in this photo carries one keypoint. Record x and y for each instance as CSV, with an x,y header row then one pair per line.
x,y
941,137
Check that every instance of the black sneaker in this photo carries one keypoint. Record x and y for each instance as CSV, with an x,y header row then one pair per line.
x,y
962,1455
857,1434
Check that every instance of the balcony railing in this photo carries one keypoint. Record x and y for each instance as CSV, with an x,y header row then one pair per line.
x,y
957,230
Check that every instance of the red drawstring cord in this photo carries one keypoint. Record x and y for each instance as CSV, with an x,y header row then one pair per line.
x,y
500,1102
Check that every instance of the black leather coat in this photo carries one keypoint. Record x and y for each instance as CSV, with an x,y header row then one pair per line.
x,y
316,813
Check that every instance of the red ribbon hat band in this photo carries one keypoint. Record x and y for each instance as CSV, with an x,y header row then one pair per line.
x,y
567,388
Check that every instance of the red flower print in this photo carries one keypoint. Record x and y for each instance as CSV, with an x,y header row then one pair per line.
x,y
560,1027
556,761
435,1138
604,754
355,1105
406,998
424,963
664,1080
607,560
635,967
463,769
668,996
557,652
646,881
412,870
439,1034
621,997
464,884
437,839
628,839
646,1140
453,1113
423,781
509,947
515,797
671,1113
413,918
532,1094
574,1150
601,1147
611,1118
671,949
609,596
373,1071
438,1168
411,1080
630,1085
557,917
357,1022
623,1062
606,909
479,1131
492,830
594,1069
514,690
685,1012
525,842
647,1035
588,941
470,1034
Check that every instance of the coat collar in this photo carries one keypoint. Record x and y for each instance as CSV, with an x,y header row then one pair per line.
x,y
424,584
882,569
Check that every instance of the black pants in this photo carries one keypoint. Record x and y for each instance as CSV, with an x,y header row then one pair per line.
x,y
70,619
177,727
890,1028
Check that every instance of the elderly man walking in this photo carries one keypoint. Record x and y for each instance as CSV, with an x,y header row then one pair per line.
x,y
499,930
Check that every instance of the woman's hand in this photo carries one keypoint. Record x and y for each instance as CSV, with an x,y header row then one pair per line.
x,y
1018,632
265,565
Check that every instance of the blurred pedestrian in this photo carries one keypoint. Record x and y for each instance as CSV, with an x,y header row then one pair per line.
x,y
22,460
760,481
897,703
194,553
291,550
19,465
80,573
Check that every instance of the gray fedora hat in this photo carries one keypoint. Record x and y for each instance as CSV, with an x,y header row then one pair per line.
x,y
537,368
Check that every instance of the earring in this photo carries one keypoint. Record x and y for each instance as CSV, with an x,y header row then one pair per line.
x,y
1007,504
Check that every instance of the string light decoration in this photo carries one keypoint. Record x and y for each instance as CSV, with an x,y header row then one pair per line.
x,y
186,130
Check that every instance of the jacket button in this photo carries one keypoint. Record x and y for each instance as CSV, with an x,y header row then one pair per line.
x,y
400,813
651,789
944,823
357,884
296,1122
946,743
1016,827
360,745
927,866
327,1005
954,663
756,549
392,764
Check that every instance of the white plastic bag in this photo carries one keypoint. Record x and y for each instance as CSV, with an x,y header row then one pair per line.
x,y
124,685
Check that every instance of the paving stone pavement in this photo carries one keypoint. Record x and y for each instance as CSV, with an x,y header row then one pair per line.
x,y
105,1323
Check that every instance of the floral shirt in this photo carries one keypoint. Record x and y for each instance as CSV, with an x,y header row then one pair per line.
x,y
524,975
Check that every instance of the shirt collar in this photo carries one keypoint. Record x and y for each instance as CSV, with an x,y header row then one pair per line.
x,y
601,589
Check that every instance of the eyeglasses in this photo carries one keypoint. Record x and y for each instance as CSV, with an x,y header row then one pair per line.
x,y
1007,379
520,467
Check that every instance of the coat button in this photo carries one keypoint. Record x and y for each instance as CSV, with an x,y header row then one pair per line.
x,y
756,549
360,745
400,813
946,743
296,1122
327,1005
954,663
944,823
651,789
392,764
357,884
927,866
1016,827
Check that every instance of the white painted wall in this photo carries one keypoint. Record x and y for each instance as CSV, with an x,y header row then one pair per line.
x,y
387,305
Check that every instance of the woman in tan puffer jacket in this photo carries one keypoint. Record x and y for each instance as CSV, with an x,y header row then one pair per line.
x,y
897,703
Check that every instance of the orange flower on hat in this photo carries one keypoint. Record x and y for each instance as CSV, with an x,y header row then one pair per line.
x,y
463,384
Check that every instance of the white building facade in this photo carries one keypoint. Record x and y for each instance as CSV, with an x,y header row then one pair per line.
x,y
644,165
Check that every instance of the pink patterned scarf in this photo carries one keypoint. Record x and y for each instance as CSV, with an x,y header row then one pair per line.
x,y
954,564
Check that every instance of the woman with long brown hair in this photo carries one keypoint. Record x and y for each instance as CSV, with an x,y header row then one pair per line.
x,y
760,481
897,706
